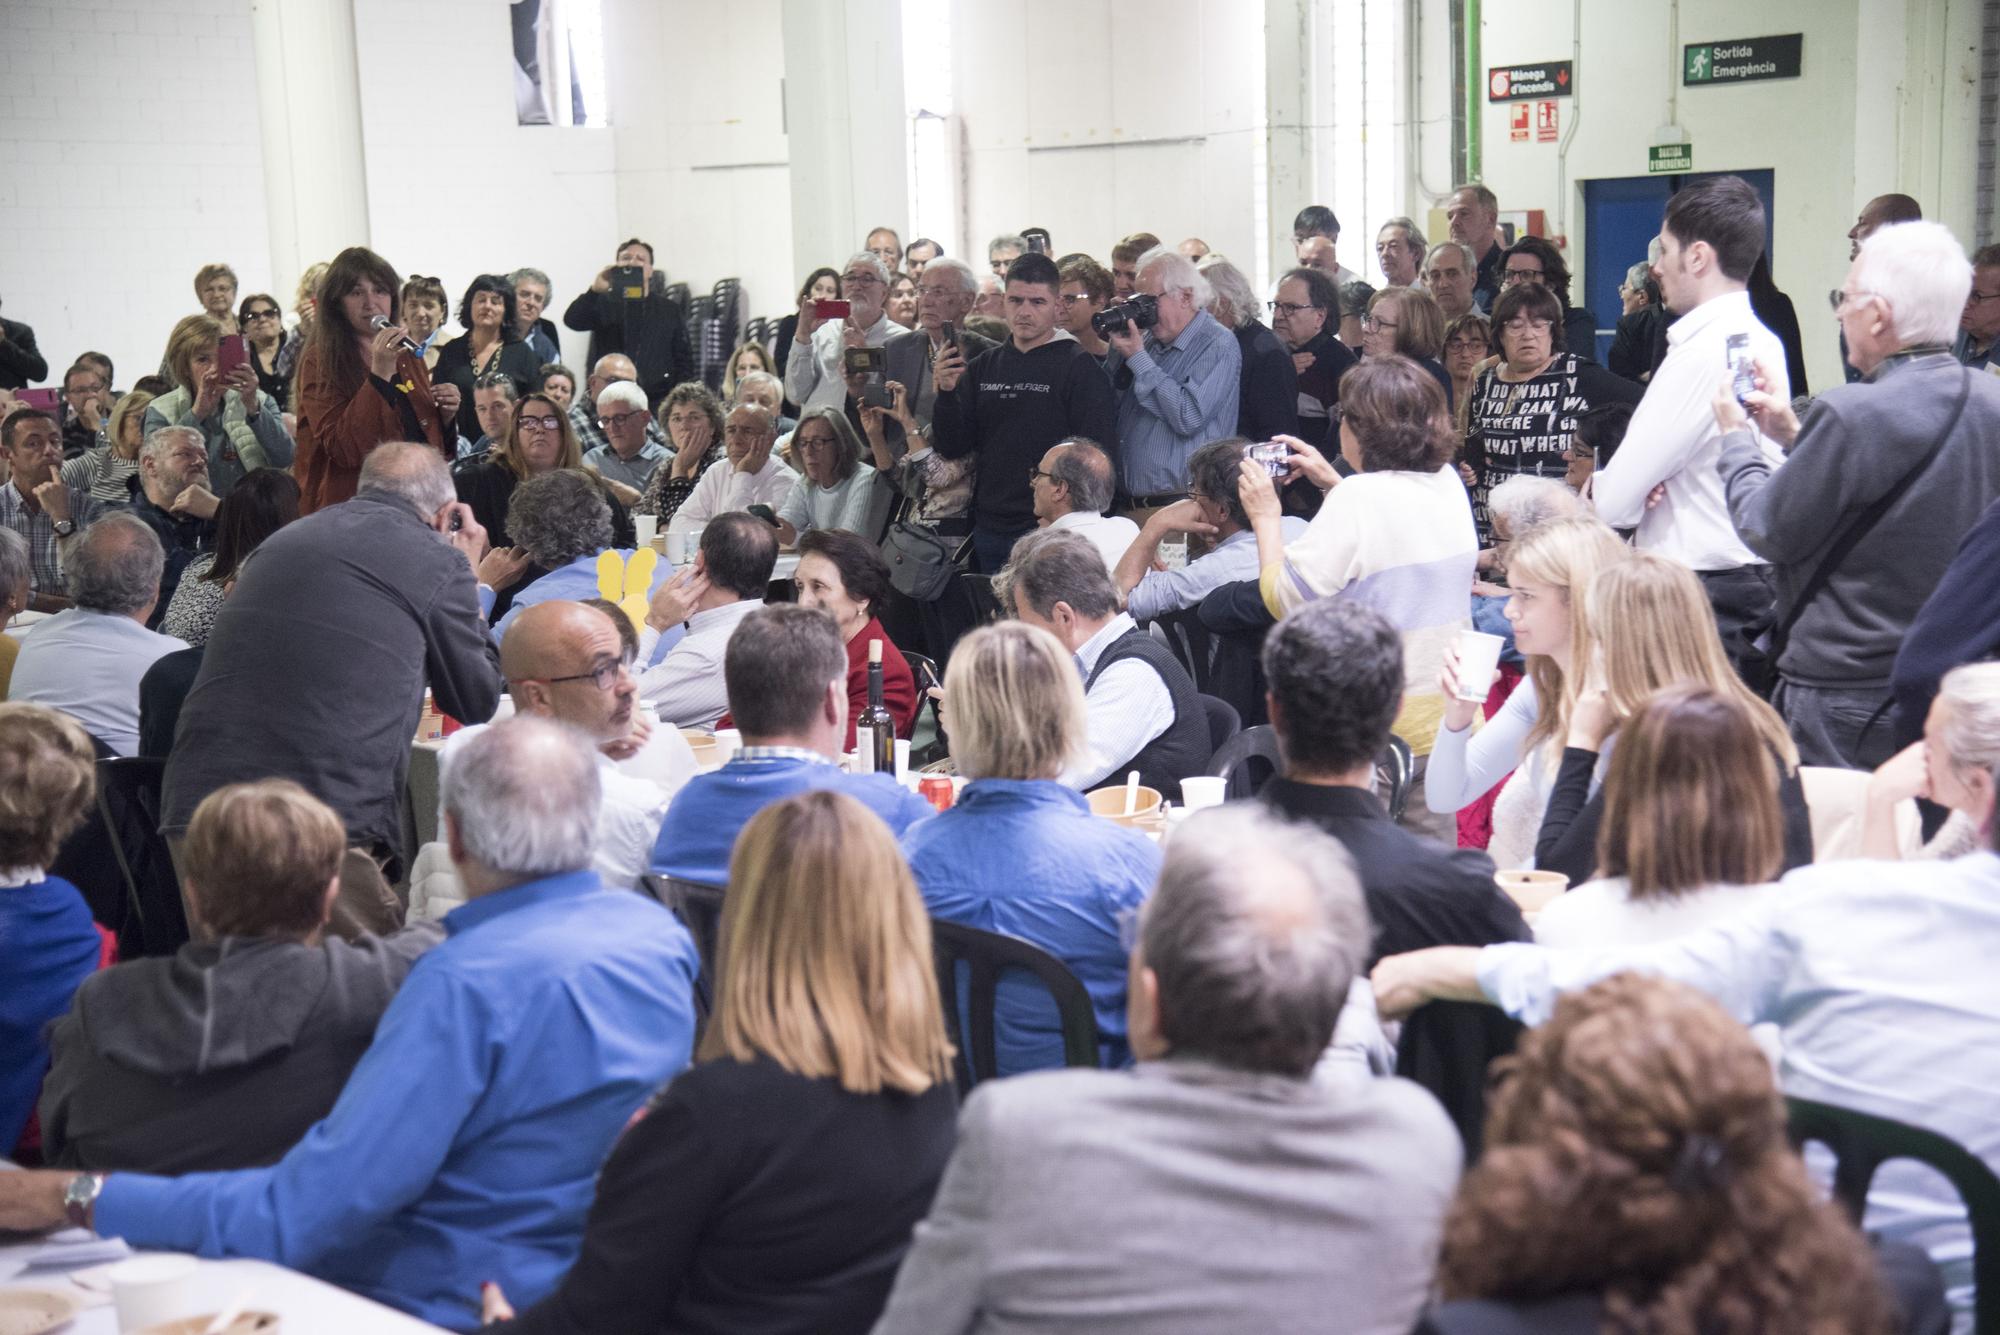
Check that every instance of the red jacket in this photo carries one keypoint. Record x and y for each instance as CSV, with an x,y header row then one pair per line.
x,y
336,431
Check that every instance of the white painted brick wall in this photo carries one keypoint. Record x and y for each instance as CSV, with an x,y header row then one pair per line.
x,y
128,159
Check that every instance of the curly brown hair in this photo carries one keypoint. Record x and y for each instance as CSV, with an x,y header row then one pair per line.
x,y
1636,1148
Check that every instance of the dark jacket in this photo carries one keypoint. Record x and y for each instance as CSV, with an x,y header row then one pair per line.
x,y
1269,402
218,1057
1959,623
1420,894
317,665
1184,748
1008,408
653,332
1640,343
1855,443
182,537
750,1201
1580,332
1319,388
517,359
20,360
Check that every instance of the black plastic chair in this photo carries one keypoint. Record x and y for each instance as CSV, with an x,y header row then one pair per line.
x,y
926,674
1223,722
985,956
1862,1143
129,804
699,907
1395,771
1247,760
985,604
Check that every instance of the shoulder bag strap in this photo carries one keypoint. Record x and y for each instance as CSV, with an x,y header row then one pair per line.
x,y
1863,524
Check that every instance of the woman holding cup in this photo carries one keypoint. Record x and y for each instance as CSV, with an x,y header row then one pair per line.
x,y
1551,572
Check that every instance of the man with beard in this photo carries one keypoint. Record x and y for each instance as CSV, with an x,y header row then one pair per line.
x,y
170,495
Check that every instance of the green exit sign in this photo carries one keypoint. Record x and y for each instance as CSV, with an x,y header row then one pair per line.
x,y
1670,158
1743,59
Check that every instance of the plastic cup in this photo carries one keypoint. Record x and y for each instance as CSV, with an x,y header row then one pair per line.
x,y
728,741
1203,790
147,1290
676,546
902,759
647,527
1532,890
1478,657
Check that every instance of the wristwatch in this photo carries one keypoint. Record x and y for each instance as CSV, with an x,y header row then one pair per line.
x,y
80,1195
64,527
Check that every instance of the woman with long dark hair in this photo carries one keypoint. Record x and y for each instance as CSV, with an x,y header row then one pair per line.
x,y
358,387
262,503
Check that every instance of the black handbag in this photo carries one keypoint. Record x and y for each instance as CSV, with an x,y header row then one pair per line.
x,y
921,560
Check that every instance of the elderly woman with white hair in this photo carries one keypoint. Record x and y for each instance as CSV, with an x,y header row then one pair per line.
x,y
1953,766
815,376
1178,380
1885,476
1268,392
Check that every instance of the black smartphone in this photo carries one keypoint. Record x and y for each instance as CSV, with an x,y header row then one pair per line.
x,y
765,513
629,281
950,332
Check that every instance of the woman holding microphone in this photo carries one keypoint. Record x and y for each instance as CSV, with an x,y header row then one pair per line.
x,y
359,385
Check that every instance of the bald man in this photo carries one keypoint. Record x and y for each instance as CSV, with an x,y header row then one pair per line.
x,y
568,662
609,369
1880,211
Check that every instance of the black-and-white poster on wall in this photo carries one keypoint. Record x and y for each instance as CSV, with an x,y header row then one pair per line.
x,y
558,63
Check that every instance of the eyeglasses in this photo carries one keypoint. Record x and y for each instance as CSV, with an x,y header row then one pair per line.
x,y
1976,297
550,423
1520,276
1375,323
1290,308
604,676
860,280
270,313
1072,298
1466,345
815,442
1521,324
616,420
1839,298
1036,474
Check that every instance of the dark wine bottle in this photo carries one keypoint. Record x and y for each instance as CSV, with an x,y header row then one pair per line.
x,y
875,730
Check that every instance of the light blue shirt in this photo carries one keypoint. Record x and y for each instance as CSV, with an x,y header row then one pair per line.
x,y
575,582
1880,977
844,505
466,1144
1173,398
635,472
1233,559
1025,857
88,665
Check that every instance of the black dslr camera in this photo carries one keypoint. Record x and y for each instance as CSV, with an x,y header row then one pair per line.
x,y
1140,309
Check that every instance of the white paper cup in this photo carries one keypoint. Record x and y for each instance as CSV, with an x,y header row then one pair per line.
x,y
1532,890
728,741
1478,656
147,1290
1203,790
647,527
676,546
902,758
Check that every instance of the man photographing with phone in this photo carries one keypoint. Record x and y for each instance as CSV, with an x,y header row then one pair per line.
x,y
627,310
815,374
1011,403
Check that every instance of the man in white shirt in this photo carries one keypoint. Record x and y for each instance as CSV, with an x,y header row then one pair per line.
x,y
1141,711
1879,976
1071,488
564,661
750,474
1212,510
814,376
87,660
1711,236
703,605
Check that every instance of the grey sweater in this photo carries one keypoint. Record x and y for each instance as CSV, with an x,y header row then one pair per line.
x,y
1855,443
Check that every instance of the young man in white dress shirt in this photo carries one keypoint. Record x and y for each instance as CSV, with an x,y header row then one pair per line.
x,y
1711,236
1071,488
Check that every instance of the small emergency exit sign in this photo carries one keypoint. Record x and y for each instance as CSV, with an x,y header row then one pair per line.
x,y
1670,158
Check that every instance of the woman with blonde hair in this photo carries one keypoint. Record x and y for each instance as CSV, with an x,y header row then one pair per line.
x,y
104,470
1637,1177
243,427
1649,625
1021,853
1550,573
305,304
775,1183
1690,819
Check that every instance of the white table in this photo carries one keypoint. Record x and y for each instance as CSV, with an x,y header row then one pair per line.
x,y
305,1306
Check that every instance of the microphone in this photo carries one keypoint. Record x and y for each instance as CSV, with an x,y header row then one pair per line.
x,y
409,345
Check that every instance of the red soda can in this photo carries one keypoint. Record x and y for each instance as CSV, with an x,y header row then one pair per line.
x,y
936,789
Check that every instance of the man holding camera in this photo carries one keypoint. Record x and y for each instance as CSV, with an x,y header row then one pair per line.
x,y
1014,401
1177,373
816,372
